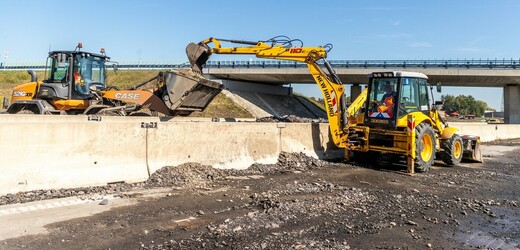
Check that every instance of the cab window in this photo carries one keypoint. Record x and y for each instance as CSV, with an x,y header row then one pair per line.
x,y
414,96
59,68
382,97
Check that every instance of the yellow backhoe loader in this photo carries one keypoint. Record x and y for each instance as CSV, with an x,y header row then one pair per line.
x,y
394,117
76,84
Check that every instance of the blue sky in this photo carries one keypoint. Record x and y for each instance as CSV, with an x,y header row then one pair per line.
x,y
158,31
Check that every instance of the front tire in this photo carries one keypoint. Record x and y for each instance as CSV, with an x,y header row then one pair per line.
x,y
26,112
424,147
452,154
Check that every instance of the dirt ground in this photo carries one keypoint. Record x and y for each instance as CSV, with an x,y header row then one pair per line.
x,y
303,203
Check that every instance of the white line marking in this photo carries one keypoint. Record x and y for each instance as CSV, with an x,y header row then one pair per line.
x,y
30,208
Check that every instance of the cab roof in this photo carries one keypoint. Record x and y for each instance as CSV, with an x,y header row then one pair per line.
x,y
398,74
79,52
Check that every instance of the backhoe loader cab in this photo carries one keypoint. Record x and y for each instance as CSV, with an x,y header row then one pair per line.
x,y
393,95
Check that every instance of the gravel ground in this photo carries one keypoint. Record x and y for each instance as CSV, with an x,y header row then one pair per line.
x,y
300,203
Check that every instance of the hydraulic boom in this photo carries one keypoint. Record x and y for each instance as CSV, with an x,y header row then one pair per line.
x,y
283,48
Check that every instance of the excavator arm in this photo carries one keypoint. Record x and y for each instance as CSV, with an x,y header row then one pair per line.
x,y
282,48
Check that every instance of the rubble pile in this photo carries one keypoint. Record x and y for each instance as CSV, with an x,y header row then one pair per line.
x,y
288,162
188,175
41,194
290,118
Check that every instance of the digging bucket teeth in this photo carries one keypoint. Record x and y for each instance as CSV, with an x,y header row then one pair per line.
x,y
471,148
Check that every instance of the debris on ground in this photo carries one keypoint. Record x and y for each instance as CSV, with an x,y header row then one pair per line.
x,y
290,118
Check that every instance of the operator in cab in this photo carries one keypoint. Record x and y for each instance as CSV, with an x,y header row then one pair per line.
x,y
388,101
79,81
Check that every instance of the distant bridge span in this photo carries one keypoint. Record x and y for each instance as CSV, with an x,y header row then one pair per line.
x,y
475,73
448,77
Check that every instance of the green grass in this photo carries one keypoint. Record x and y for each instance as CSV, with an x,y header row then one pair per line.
x,y
312,100
125,79
223,107
10,79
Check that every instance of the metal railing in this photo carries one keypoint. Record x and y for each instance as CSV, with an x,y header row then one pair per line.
x,y
468,64
379,64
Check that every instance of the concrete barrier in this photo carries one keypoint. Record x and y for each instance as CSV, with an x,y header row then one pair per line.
x,y
313,139
488,132
51,152
235,145
221,144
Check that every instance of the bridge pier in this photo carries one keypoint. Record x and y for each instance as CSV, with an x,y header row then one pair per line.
x,y
512,104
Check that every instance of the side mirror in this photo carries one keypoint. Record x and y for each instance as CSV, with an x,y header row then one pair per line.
x,y
5,103
438,87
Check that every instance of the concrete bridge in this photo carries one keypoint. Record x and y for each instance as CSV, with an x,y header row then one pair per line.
x,y
465,73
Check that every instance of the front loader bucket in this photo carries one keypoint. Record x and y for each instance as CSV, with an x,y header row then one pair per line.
x,y
197,55
471,148
187,91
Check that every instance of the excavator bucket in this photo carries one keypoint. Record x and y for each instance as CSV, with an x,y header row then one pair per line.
x,y
187,91
471,148
197,54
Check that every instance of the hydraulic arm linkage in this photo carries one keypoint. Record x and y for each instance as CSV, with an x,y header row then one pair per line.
x,y
282,48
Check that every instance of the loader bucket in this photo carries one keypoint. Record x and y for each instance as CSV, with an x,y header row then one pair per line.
x,y
187,91
197,55
471,148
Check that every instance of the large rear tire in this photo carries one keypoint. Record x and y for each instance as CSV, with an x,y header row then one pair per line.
x,y
424,147
452,154
26,112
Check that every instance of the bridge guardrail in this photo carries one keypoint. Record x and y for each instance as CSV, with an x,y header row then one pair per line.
x,y
451,63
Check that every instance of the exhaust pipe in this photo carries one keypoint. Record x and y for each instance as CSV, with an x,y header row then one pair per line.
x,y
34,77
5,103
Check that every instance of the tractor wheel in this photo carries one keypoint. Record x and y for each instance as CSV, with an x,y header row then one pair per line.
x,y
25,112
452,150
424,147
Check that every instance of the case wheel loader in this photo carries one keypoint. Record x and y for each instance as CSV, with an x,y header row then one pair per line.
x,y
76,84
394,117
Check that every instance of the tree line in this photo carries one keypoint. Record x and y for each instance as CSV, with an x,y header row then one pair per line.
x,y
464,105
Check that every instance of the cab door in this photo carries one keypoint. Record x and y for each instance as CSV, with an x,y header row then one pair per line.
x,y
413,96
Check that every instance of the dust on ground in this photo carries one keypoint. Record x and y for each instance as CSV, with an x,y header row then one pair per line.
x,y
301,203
